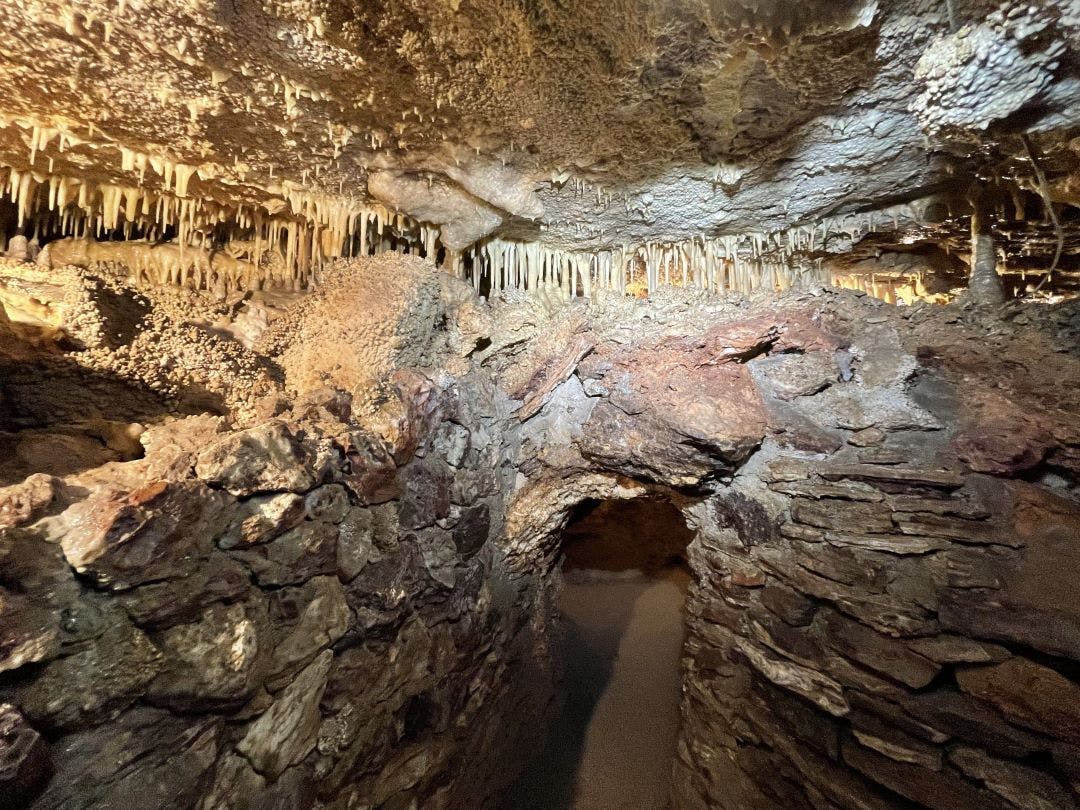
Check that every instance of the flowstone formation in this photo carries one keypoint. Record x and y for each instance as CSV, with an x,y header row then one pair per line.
x,y
321,319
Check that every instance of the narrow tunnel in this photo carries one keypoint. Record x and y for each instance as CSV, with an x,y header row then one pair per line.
x,y
612,732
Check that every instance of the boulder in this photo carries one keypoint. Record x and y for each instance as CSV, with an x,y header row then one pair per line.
x,y
160,531
266,458
25,764
288,730
216,662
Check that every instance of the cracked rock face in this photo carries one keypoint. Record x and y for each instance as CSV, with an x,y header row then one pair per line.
x,y
281,507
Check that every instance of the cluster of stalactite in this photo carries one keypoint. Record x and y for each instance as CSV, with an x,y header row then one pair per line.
x,y
169,237
893,288
741,264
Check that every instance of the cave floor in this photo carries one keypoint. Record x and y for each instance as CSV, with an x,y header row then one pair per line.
x,y
613,742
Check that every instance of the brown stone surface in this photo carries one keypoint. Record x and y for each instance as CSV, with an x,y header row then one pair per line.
x,y
1029,694
927,788
263,459
21,503
25,765
160,531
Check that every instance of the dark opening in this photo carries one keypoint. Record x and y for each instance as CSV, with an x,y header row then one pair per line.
x,y
611,739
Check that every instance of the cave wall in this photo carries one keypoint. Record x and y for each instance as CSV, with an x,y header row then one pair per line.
x,y
885,606
319,608
297,613
886,521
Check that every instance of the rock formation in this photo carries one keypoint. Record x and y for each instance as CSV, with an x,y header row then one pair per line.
x,y
320,320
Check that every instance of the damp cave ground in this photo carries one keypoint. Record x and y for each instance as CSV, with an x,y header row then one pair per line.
x,y
612,731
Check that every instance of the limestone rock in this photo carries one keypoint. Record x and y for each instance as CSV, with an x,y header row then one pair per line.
x,y
265,458
288,730
25,764
160,531
87,686
217,662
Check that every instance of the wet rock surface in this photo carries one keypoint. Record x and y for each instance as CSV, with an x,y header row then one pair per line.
x,y
327,610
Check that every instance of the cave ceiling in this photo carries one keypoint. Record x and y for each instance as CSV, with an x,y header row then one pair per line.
x,y
580,124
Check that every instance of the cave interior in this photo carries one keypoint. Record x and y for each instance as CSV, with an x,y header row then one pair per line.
x,y
520,404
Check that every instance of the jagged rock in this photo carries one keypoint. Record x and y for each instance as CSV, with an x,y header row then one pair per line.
x,y
550,373
162,604
28,633
22,503
307,619
856,408
1029,694
956,714
296,556
938,791
672,419
956,529
237,786
889,543
819,689
263,518
787,376
1023,786
750,520
287,731
876,651
327,503
1003,448
425,494
356,542
842,489
472,530
372,473
878,735
214,663
144,758
266,458
791,606
25,764
941,479
87,686
951,649
160,531
840,515
868,437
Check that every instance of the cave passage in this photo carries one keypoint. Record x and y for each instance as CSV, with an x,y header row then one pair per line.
x,y
613,732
